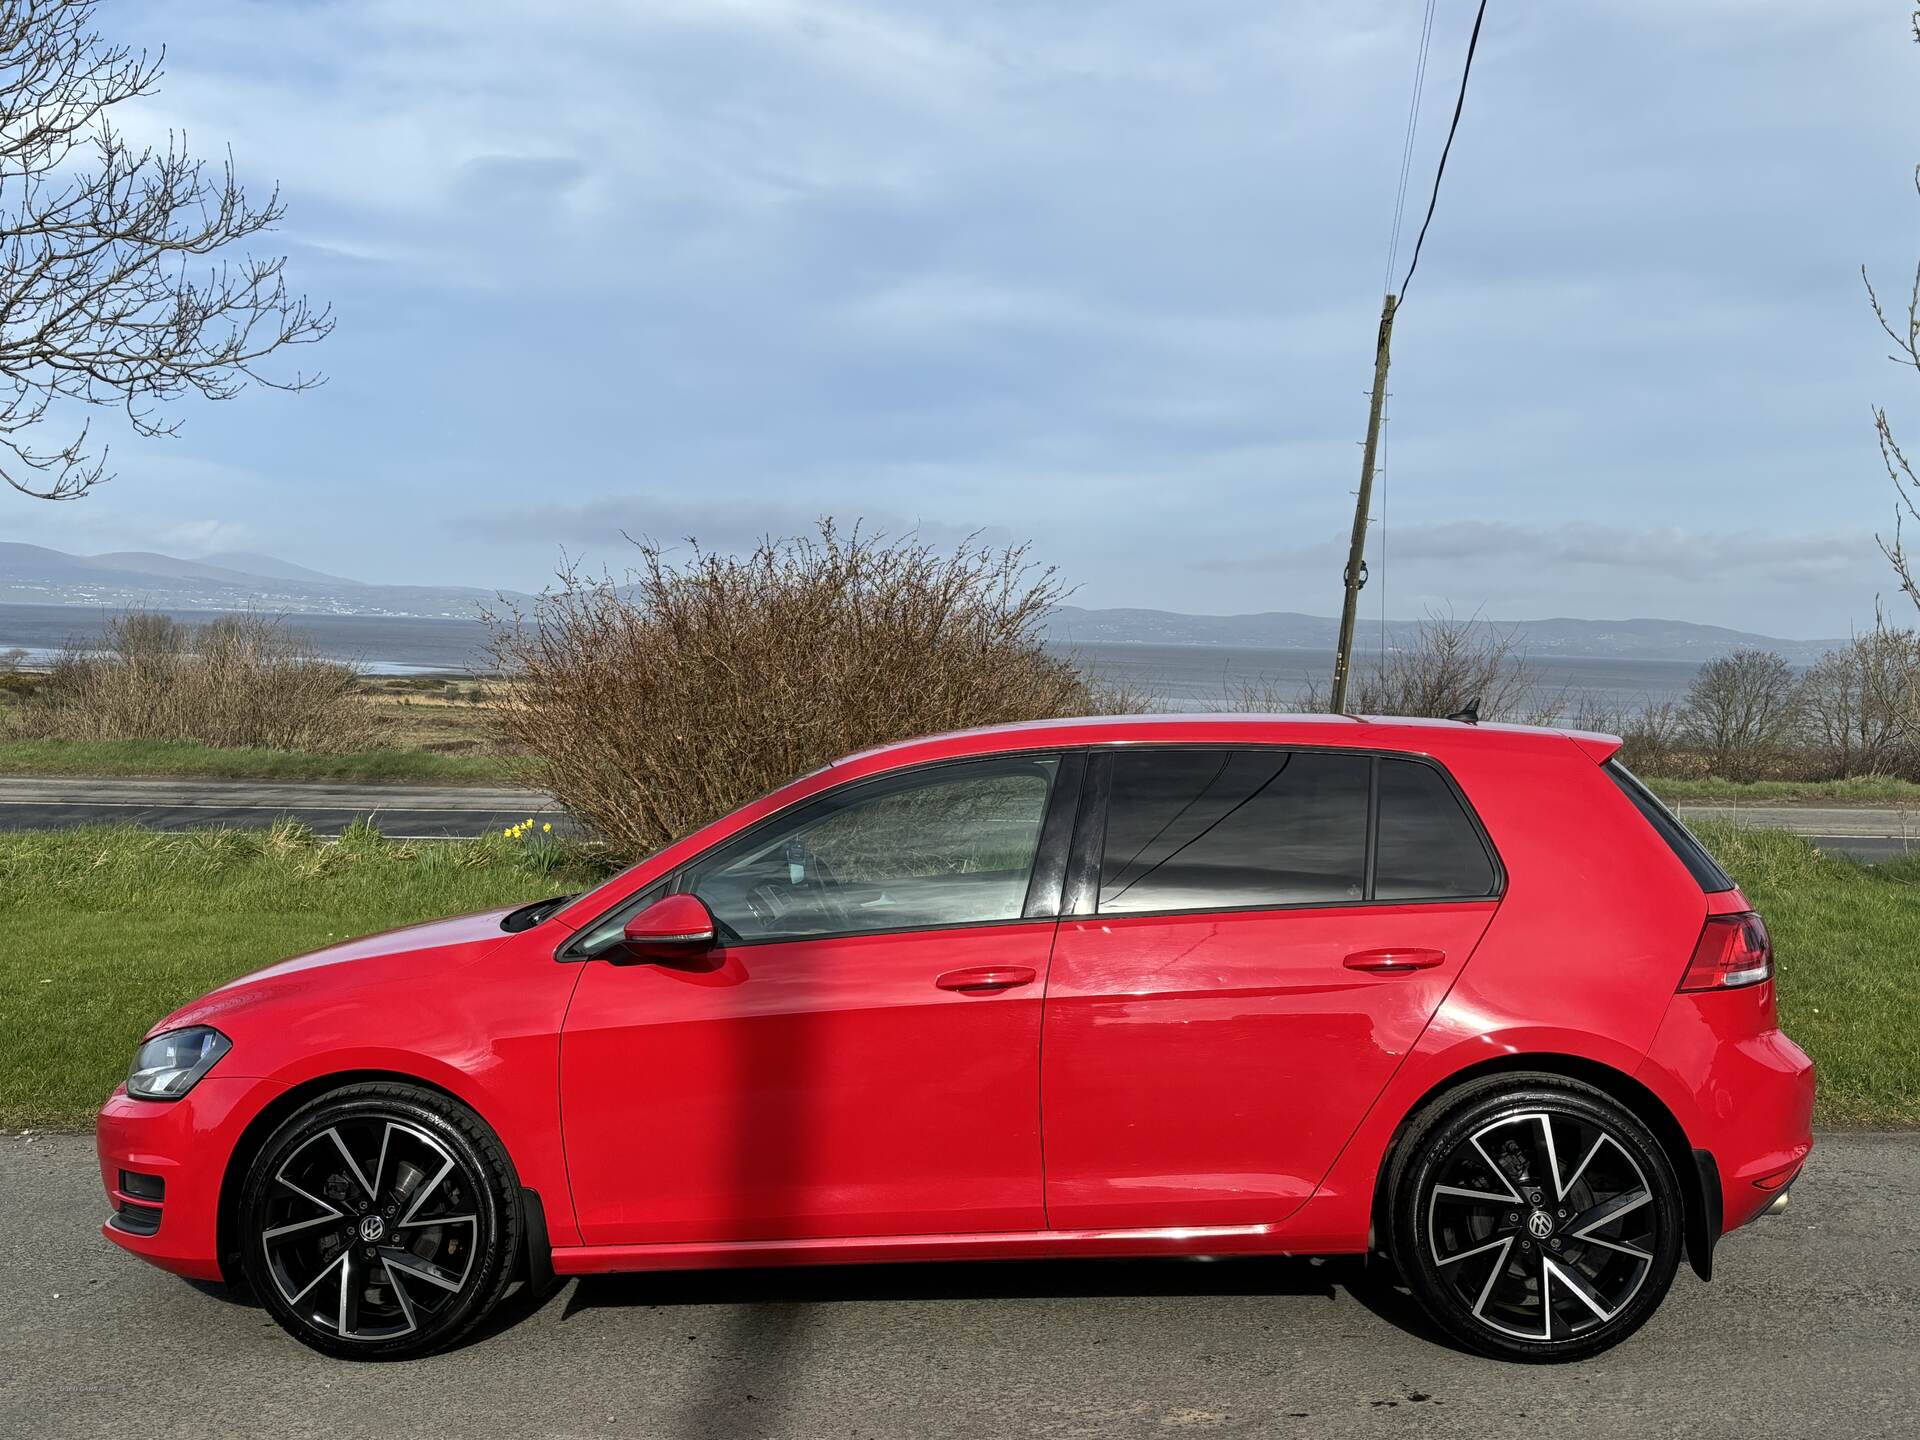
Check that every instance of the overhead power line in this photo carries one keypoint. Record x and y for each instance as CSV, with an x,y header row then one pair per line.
x,y
1473,43
1406,146
1386,278
1355,575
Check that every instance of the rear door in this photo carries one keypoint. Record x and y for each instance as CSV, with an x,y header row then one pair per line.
x,y
1257,938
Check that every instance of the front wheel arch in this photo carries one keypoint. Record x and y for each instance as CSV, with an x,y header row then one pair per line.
x,y
240,1159
1696,1170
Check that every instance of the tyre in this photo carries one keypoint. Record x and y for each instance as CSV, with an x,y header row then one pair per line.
x,y
1534,1218
380,1221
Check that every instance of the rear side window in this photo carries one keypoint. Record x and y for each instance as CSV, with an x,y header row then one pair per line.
x,y
1224,829
1428,847
1689,851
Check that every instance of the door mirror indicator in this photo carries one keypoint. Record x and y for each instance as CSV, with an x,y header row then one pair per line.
x,y
672,928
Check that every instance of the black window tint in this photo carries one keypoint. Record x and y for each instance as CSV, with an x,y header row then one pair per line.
x,y
1218,829
1702,866
950,845
1429,849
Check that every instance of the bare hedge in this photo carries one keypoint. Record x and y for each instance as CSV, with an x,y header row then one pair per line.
x,y
652,704
1448,664
239,680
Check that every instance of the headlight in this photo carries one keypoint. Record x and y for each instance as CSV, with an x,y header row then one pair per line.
x,y
170,1065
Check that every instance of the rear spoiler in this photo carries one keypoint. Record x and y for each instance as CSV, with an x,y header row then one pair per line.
x,y
1597,747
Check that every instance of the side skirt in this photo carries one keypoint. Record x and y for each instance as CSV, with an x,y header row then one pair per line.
x,y
875,1249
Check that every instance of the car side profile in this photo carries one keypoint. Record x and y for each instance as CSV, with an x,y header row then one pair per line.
x,y
1464,996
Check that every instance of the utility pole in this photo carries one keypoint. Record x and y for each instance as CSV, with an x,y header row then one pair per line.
x,y
1356,574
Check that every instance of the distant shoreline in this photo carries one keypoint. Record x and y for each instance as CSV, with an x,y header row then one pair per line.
x,y
1173,675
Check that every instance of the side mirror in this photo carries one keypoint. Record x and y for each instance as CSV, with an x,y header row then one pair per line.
x,y
672,928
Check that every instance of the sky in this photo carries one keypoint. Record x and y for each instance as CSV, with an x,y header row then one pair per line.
x,y
1100,276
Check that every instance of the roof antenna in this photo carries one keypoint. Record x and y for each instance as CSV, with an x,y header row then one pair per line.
x,y
1468,714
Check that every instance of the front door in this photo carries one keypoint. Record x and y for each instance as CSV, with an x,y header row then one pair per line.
x,y
1257,961
859,1055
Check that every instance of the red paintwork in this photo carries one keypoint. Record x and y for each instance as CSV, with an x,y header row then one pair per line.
x,y
814,1088
671,925
1207,1083
1738,1086
1206,1069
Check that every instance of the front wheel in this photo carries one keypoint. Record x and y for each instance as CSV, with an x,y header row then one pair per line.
x,y
380,1221
1535,1218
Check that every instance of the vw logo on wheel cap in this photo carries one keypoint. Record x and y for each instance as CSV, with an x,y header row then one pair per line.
x,y
372,1227
1539,1225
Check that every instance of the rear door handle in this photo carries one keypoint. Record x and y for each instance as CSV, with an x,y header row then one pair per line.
x,y
986,978
1394,961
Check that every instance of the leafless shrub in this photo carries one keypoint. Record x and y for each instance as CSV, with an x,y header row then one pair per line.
x,y
1861,705
139,637
239,680
10,659
650,706
1267,697
1651,733
1449,664
1741,711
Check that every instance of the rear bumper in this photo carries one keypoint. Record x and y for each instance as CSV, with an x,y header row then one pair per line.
x,y
1742,1091
163,1163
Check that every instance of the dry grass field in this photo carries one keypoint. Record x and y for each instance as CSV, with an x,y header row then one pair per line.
x,y
419,729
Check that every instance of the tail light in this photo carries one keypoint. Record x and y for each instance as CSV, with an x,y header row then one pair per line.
x,y
1733,951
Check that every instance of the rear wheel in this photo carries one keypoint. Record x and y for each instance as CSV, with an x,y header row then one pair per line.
x,y
1535,1218
380,1221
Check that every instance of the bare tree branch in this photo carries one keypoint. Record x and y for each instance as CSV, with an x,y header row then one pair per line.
x,y
112,289
1905,334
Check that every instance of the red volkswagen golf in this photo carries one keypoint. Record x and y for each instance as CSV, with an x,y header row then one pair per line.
x,y
1467,996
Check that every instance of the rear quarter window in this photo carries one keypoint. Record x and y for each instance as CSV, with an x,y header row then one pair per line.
x,y
1428,848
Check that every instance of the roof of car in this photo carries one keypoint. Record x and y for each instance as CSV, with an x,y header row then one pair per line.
x,y
1384,731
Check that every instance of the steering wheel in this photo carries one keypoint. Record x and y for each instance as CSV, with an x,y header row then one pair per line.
x,y
821,884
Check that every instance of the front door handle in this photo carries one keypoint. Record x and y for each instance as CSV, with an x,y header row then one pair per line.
x,y
1394,961
986,978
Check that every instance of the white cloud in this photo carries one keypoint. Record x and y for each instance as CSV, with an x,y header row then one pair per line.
x,y
1104,276
199,537
599,527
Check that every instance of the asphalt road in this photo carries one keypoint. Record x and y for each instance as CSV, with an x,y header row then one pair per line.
x,y
1812,1327
457,811
436,812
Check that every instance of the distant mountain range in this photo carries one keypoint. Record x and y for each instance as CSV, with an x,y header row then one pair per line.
x,y
1287,630
35,575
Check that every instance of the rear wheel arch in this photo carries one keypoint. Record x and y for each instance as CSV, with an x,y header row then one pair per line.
x,y
1695,1169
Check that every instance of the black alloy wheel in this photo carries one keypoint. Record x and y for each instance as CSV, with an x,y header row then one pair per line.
x,y
380,1221
1535,1218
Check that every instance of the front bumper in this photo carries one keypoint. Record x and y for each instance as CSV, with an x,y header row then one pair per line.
x,y
184,1146
1742,1091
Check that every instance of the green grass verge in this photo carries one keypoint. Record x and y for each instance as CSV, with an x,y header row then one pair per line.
x,y
103,931
1860,790
1846,939
187,758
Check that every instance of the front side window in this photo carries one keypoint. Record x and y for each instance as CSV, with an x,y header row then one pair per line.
x,y
1233,829
949,845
